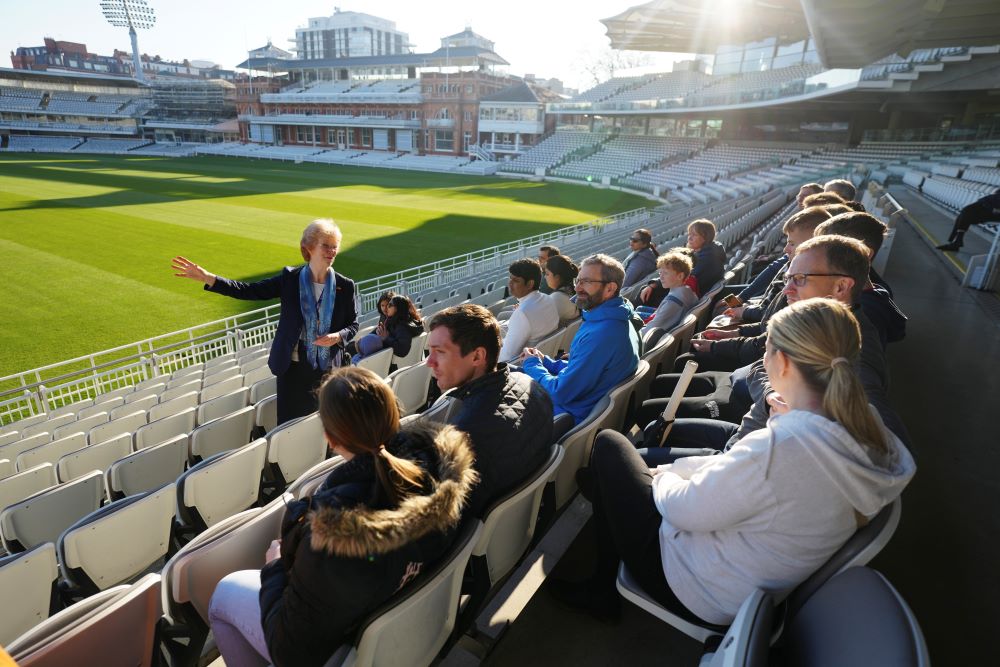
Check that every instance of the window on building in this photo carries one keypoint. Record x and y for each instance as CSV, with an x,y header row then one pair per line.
x,y
366,136
444,141
467,141
485,113
444,113
467,116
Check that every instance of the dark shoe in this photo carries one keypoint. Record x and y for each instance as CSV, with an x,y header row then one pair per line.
x,y
586,596
950,247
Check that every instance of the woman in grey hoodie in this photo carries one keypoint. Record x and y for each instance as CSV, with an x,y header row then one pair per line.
x,y
701,534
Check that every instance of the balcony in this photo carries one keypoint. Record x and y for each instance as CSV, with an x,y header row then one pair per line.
x,y
441,122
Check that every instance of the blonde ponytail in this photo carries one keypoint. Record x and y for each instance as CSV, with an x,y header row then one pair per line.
x,y
823,339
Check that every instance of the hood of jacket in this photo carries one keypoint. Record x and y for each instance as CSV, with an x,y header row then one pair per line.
x,y
615,308
358,530
866,484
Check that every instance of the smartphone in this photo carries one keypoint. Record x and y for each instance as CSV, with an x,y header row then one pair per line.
x,y
732,301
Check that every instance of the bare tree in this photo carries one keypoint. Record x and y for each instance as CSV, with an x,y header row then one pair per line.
x,y
604,64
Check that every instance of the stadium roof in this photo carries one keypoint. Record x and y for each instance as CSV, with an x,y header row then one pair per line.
x,y
118,80
456,56
519,92
847,33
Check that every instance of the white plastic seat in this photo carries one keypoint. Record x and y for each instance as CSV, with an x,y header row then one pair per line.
x,y
43,516
9,437
24,422
49,425
256,374
117,542
220,388
180,390
378,363
569,332
121,392
576,445
115,628
266,414
153,390
191,575
17,487
223,434
683,333
180,424
74,407
411,385
28,578
84,425
416,353
623,399
15,449
221,486
192,377
173,406
221,376
263,388
111,429
95,457
188,371
252,363
296,446
143,404
6,468
147,469
51,452
310,480
223,405
221,361
549,346
413,626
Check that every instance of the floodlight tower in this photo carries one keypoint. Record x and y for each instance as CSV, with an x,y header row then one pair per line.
x,y
130,14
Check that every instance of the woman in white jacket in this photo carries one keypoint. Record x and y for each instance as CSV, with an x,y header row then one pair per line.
x,y
700,534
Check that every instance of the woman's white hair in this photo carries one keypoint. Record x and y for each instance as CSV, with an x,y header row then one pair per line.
x,y
317,230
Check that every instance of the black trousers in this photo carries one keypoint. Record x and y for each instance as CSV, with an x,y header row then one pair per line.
x,y
973,214
690,437
626,519
297,391
709,396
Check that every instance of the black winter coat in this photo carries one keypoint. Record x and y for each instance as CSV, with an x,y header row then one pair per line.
x,y
346,550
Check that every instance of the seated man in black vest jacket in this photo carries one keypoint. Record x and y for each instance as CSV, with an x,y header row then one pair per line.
x,y
508,416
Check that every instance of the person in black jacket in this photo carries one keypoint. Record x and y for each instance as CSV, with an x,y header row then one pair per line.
x,y
401,325
982,210
390,510
318,315
507,415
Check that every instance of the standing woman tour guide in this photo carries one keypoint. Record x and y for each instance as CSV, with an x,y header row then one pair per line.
x,y
318,315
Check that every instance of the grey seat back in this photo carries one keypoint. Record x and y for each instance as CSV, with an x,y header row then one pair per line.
x,y
173,406
221,486
683,333
165,428
96,457
127,424
296,446
16,488
148,468
577,444
27,578
50,452
42,517
410,385
223,434
220,406
265,414
263,388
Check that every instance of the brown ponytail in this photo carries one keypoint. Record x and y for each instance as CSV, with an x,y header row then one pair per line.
x,y
360,414
823,339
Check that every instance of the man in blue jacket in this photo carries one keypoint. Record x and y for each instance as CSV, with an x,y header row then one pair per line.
x,y
605,350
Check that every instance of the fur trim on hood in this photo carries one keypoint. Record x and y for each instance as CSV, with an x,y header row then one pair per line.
x,y
358,531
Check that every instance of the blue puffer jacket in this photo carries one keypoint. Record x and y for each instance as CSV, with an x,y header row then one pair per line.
x,y
604,352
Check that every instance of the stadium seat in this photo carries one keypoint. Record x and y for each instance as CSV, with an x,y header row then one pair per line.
x,y
29,578
576,446
43,516
143,404
294,447
747,643
16,448
111,395
549,346
83,425
310,480
115,628
171,407
6,468
49,425
378,363
262,389
856,618
223,434
107,406
220,486
7,438
127,424
51,452
230,384
569,332
165,429
221,361
181,390
683,333
24,422
252,363
222,375
508,527
411,385
415,355
74,407
265,413
118,542
191,575
96,457
413,626
221,406
656,355
256,375
623,401
147,469
192,378
26,483
152,390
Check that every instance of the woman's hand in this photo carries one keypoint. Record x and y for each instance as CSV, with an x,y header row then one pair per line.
x,y
777,403
273,551
380,330
719,334
735,313
328,340
185,268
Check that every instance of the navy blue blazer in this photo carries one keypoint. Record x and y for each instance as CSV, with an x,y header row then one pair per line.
x,y
285,286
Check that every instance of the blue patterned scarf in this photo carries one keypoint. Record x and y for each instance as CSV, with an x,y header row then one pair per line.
x,y
316,316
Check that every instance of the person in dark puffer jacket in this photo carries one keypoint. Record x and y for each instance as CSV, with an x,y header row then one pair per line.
x,y
377,521
507,415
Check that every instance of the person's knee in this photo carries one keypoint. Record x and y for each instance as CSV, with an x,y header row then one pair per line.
x,y
607,447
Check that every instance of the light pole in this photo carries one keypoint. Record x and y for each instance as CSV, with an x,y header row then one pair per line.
x,y
130,14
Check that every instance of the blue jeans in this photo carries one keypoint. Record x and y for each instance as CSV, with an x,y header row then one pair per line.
x,y
234,614
645,311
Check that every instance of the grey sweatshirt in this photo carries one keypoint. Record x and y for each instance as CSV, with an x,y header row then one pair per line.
x,y
768,512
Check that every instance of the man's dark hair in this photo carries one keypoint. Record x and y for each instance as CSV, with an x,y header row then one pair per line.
x,y
842,187
822,199
861,226
471,326
856,206
549,250
807,218
527,269
843,255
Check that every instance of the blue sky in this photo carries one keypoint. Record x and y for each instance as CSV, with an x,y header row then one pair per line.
x,y
549,39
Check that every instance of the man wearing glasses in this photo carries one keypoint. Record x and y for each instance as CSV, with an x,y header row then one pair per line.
x,y
604,351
